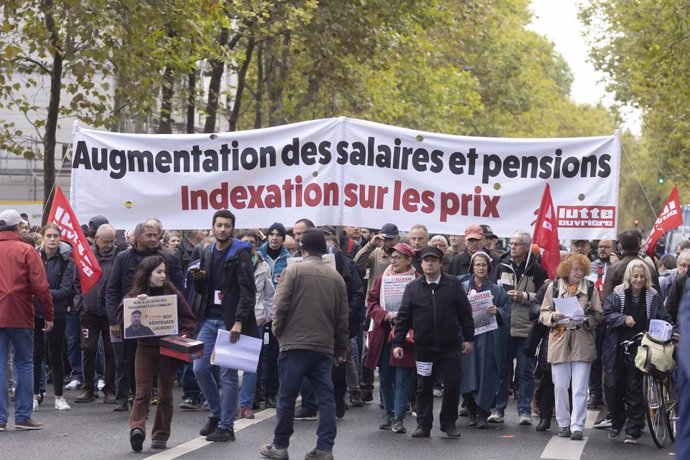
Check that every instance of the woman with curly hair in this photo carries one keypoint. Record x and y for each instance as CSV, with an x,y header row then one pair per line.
x,y
571,342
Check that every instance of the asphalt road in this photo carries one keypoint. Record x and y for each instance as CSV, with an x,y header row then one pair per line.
x,y
91,431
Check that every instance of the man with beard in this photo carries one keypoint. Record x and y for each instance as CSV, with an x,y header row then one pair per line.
x,y
225,282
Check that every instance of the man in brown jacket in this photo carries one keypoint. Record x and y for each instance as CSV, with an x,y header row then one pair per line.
x,y
310,321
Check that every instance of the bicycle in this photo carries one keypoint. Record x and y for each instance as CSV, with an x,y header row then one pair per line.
x,y
659,398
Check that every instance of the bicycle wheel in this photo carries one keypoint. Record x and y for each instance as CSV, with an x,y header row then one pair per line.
x,y
671,400
655,409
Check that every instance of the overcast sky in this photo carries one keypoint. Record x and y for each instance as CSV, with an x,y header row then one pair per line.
x,y
558,21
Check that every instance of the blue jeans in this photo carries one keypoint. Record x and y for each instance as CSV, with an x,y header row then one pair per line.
x,y
395,384
525,374
225,408
293,366
248,388
22,341
73,334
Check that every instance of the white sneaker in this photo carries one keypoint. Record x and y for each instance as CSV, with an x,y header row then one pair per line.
x,y
35,405
74,384
61,404
100,385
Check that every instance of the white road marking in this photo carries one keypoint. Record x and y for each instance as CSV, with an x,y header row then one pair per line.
x,y
564,448
201,441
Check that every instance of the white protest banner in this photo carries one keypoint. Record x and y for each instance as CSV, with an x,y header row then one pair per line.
x,y
343,171
483,320
150,317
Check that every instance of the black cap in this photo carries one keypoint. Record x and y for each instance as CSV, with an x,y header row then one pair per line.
x,y
431,251
488,232
97,221
314,241
277,226
328,230
390,230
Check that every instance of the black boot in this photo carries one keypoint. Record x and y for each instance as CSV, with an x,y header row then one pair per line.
x,y
544,424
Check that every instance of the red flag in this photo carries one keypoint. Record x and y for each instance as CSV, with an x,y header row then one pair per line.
x,y
61,213
546,234
669,218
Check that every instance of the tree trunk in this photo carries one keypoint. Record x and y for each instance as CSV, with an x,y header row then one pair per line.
x,y
49,139
165,125
191,98
217,67
258,116
241,82
275,90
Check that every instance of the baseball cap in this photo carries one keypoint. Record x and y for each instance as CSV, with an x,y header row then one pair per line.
x,y
474,231
431,251
390,230
9,218
488,232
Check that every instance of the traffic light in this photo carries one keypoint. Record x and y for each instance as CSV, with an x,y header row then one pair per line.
x,y
661,179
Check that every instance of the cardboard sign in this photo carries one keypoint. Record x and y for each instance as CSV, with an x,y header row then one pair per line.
x,y
154,316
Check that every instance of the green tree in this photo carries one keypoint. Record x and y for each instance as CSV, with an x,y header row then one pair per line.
x,y
643,47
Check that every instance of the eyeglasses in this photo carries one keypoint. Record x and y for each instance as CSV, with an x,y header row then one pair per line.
x,y
684,265
396,258
52,237
516,243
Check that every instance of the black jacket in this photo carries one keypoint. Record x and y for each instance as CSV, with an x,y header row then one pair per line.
x,y
122,276
60,273
238,289
438,316
614,321
94,302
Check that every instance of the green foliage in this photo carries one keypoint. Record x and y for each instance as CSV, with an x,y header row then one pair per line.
x,y
642,46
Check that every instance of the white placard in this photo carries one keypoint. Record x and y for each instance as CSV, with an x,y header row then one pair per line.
x,y
242,355
483,321
392,289
424,369
660,330
154,316
570,308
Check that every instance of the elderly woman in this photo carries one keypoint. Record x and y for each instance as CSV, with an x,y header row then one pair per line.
x,y
627,312
483,366
571,342
394,374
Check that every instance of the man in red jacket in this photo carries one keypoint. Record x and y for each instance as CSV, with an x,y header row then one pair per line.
x,y
22,277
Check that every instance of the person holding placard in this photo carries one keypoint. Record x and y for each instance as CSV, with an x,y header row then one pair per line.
x,y
627,312
571,340
383,302
151,280
484,365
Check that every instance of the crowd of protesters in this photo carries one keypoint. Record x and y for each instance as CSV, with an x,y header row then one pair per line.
x,y
243,281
